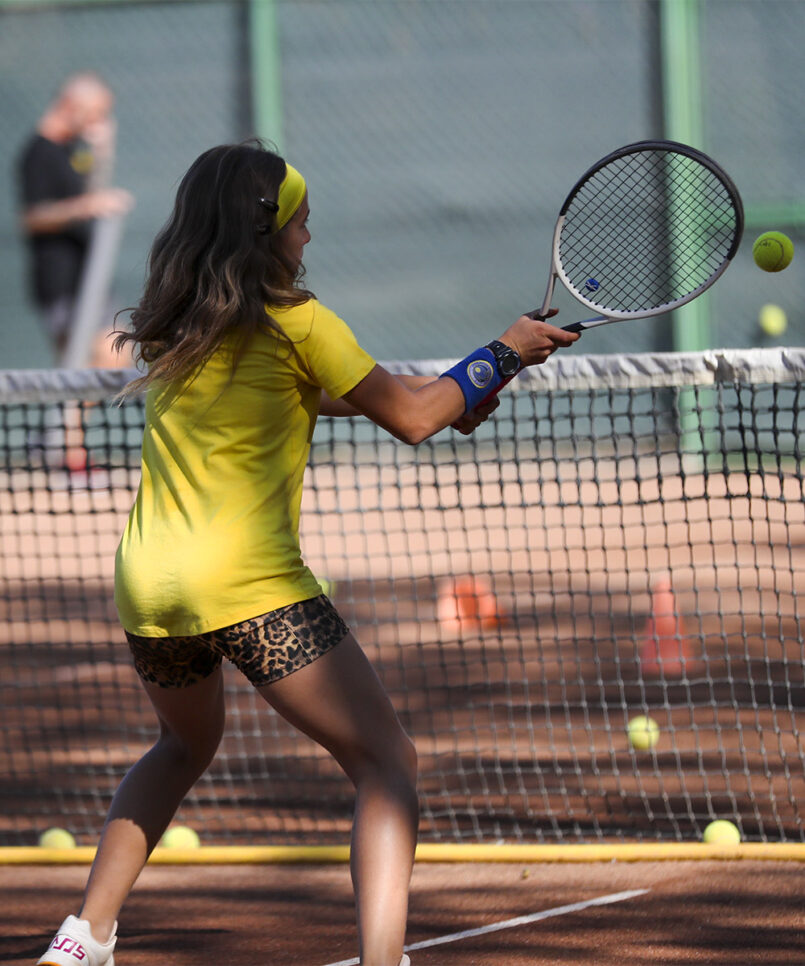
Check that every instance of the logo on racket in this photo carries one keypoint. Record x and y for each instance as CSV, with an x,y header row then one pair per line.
x,y
592,285
480,373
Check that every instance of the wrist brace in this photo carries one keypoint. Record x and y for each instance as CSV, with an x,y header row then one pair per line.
x,y
477,376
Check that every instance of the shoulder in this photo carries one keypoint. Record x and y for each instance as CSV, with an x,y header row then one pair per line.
x,y
38,149
42,168
292,318
324,346
309,319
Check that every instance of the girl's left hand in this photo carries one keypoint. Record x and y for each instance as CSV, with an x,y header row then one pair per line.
x,y
469,422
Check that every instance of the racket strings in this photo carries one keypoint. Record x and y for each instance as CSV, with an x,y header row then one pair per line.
x,y
648,250
647,230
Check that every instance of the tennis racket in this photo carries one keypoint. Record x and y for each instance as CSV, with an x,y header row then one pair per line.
x,y
647,229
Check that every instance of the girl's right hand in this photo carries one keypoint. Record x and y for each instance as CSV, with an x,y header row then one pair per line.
x,y
535,341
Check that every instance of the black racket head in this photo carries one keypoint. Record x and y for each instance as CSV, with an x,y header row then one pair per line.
x,y
647,229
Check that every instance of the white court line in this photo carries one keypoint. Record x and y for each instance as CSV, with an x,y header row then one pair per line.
x,y
513,923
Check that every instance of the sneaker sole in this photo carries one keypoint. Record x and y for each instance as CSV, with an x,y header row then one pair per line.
x,y
48,962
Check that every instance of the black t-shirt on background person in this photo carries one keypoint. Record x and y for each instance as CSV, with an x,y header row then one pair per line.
x,y
53,172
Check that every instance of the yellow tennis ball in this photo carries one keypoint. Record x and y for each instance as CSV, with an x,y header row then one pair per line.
x,y
180,837
56,838
644,732
721,832
772,320
327,586
773,251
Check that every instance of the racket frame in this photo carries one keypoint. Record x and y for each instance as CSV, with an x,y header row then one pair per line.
x,y
556,270
616,315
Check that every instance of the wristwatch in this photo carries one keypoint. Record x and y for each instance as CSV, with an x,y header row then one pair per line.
x,y
508,361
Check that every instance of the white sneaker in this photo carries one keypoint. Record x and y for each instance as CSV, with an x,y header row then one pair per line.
x,y
405,961
74,945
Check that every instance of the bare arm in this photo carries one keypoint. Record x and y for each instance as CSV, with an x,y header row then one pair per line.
x,y
48,217
409,414
465,424
413,412
340,407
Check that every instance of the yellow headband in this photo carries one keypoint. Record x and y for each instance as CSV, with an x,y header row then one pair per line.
x,y
292,191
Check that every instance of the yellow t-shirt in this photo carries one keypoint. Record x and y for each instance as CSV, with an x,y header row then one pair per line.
x,y
213,537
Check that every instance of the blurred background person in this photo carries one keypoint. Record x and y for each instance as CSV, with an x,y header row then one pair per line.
x,y
64,170
64,173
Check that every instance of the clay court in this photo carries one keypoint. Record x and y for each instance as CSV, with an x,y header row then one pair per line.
x,y
624,538
733,913
507,592
520,721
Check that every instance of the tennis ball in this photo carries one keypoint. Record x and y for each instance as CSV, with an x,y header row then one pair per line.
x,y
721,832
56,838
772,320
773,251
327,586
180,837
644,732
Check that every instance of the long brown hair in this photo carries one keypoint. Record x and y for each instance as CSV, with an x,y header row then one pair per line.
x,y
214,267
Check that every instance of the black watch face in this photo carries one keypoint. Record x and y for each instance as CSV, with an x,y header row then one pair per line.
x,y
508,364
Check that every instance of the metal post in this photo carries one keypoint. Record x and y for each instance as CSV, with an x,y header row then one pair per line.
x,y
680,46
266,72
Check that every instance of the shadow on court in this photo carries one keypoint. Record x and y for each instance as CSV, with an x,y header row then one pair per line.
x,y
732,913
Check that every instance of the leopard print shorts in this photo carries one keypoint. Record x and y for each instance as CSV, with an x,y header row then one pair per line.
x,y
264,648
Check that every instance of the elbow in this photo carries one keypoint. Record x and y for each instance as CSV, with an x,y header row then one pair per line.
x,y
414,431
34,222
421,422
411,438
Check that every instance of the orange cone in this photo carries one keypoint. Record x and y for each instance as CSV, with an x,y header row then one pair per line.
x,y
665,646
468,603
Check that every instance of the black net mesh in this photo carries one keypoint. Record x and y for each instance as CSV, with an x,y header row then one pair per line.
x,y
624,538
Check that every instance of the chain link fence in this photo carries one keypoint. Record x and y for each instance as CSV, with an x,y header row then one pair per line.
x,y
438,138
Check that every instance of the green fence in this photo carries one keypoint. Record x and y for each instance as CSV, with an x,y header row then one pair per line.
x,y
438,138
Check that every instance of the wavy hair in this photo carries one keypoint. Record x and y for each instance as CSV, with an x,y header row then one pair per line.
x,y
214,267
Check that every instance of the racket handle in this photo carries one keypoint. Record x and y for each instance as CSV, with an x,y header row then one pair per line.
x,y
592,323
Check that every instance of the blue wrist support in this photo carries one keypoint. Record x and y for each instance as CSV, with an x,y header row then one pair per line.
x,y
477,375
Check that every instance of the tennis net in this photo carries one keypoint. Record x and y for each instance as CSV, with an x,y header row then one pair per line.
x,y
625,537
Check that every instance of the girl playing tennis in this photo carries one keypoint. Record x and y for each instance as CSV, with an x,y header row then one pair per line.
x,y
241,359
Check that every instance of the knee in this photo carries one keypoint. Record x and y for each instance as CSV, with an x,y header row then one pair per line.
x,y
403,782
396,765
409,763
191,753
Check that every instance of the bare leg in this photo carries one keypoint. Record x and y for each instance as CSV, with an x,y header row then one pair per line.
x,y
191,724
340,703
